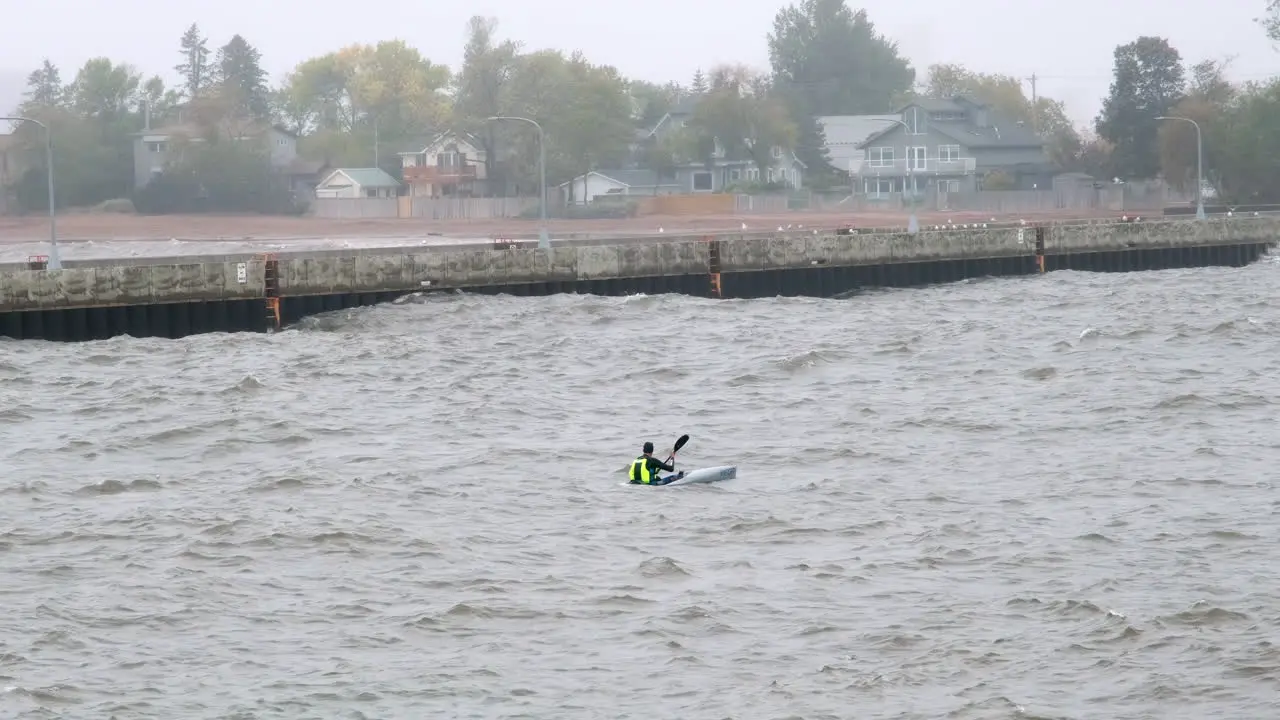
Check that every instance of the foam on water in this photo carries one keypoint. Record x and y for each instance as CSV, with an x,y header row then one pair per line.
x,y
951,502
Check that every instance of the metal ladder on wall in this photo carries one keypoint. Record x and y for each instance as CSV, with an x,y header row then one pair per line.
x,y
271,290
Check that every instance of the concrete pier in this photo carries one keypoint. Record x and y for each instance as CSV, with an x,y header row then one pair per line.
x,y
178,297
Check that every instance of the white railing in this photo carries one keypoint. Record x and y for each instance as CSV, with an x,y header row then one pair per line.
x,y
902,166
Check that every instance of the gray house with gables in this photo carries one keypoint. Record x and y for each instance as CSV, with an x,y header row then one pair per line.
x,y
948,146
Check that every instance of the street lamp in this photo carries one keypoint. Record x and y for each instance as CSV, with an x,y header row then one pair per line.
x,y
55,262
913,224
1199,164
543,241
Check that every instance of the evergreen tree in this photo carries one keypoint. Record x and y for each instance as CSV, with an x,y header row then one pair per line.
x,y
194,69
699,84
242,81
44,89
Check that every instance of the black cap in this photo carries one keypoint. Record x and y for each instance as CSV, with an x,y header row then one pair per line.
x,y
648,447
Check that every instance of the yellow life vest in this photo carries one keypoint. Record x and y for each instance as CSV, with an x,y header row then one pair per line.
x,y
640,471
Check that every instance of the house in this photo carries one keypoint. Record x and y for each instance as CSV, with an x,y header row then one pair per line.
x,y
844,135
155,148
588,187
358,183
450,165
720,173
948,145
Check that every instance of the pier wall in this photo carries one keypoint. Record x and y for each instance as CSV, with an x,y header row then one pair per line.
x,y
269,291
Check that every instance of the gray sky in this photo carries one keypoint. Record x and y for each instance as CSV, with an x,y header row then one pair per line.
x,y
1068,44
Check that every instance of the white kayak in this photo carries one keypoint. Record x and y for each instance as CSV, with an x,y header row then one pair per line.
x,y
707,475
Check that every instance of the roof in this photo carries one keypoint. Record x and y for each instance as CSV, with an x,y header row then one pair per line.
x,y
365,177
999,132
628,178
438,138
844,133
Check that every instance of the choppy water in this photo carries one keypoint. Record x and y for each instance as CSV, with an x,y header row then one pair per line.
x,y
1047,497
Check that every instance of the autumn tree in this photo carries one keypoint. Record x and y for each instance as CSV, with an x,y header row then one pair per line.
x,y
1148,83
346,98
829,60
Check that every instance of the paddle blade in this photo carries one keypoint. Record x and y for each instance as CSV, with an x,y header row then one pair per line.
x,y
679,444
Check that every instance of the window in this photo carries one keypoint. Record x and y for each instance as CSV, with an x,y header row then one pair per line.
x,y
880,157
949,186
777,152
735,175
917,158
949,153
947,116
282,141
157,147
878,188
702,182
915,120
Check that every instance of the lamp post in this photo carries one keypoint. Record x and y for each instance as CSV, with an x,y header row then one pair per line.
x,y
913,223
55,262
1199,164
543,241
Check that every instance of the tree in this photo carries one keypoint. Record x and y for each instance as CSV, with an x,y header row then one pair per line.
x,y
106,92
650,102
584,111
241,81
1271,22
483,90
1209,94
829,60
741,115
194,69
1245,143
44,89
1148,83
1006,96
698,86
347,98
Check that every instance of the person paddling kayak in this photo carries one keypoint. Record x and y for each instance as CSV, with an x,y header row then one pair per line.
x,y
644,470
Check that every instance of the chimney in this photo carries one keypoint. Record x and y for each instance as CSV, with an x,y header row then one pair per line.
x,y
146,114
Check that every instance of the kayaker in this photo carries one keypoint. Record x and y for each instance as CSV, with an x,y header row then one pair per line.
x,y
644,470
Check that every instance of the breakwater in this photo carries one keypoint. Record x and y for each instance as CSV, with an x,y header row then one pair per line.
x,y
182,296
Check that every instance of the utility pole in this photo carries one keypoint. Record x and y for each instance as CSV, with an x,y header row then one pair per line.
x,y
1035,112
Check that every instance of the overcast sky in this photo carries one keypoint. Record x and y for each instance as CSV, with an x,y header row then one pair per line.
x,y
1067,44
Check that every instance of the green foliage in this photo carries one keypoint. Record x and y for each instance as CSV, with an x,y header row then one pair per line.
x,y
240,79
194,69
1271,21
740,116
224,176
1242,145
829,60
1149,82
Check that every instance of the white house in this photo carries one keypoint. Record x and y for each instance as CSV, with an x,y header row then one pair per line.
x,y
586,188
450,165
358,183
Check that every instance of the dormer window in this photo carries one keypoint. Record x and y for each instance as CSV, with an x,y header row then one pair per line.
x,y
915,120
